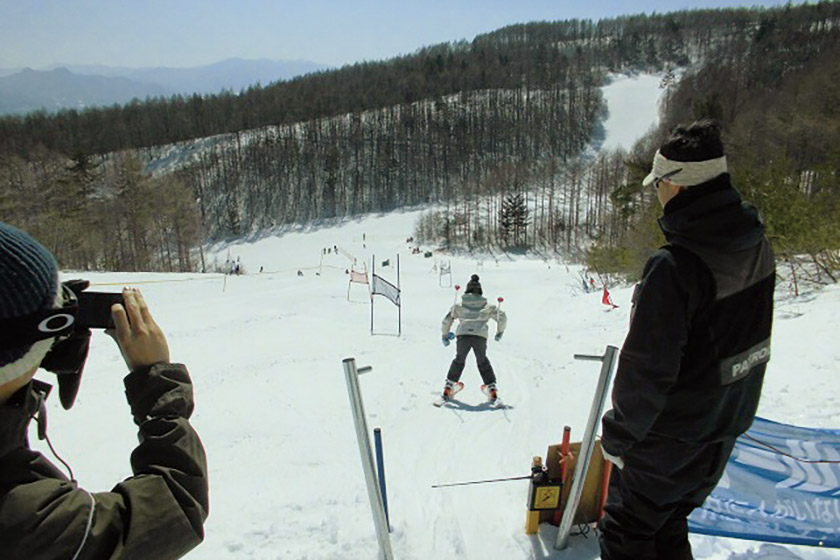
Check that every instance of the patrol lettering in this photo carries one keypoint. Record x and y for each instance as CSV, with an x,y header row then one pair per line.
x,y
739,366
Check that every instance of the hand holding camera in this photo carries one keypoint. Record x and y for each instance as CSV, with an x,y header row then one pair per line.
x,y
125,316
140,339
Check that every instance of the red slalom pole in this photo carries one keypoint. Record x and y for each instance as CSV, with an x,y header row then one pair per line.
x,y
564,465
564,453
605,485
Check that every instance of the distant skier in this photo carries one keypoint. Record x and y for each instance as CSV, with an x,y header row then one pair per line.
x,y
473,314
607,300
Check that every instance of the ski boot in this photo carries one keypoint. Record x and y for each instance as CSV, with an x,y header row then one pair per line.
x,y
490,391
450,389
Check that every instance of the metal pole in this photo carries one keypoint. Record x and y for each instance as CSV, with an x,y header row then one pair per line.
x,y
587,444
399,307
372,280
376,504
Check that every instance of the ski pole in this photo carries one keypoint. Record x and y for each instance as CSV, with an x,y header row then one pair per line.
x,y
451,335
527,476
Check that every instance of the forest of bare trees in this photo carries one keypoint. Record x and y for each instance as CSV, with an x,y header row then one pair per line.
x,y
489,131
534,56
469,144
776,96
109,216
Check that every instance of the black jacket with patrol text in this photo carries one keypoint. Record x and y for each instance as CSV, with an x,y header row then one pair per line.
x,y
692,365
157,514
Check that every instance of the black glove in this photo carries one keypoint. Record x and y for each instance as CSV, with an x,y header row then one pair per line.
x,y
77,286
67,357
67,360
498,336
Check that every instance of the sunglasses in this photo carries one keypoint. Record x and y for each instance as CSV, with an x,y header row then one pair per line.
x,y
665,176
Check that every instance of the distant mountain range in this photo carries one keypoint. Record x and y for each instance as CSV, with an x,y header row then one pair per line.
x,y
79,87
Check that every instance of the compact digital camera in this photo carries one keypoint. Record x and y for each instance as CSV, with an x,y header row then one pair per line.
x,y
80,310
95,309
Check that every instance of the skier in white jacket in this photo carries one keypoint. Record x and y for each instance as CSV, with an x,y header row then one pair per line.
x,y
473,314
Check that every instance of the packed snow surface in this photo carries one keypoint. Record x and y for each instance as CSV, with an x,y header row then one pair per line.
x,y
265,351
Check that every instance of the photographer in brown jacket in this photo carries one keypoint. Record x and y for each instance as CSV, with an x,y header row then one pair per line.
x,y
156,514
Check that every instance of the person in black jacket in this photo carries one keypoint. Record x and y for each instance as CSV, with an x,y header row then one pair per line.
x,y
157,513
691,368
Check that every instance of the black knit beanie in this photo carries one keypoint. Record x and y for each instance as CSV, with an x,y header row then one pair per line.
x,y
473,286
28,283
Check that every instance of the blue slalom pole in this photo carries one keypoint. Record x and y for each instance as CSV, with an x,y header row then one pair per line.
x,y
380,467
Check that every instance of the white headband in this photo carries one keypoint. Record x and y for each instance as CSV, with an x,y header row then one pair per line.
x,y
685,173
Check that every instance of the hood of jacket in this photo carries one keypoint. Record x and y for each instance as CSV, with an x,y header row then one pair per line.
x,y
473,301
712,214
17,412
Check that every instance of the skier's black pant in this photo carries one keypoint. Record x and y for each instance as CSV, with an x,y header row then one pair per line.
x,y
649,500
478,344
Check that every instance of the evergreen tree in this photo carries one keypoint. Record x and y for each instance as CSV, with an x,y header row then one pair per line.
x,y
514,218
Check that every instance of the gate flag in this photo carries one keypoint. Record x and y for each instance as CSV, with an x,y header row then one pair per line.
x,y
358,277
766,496
384,288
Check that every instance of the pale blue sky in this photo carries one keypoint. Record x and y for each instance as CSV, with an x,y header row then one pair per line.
x,y
180,33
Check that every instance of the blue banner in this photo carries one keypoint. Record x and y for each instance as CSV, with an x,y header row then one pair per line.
x,y
767,496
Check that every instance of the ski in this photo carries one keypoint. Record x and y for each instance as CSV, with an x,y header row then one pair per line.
x,y
455,390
